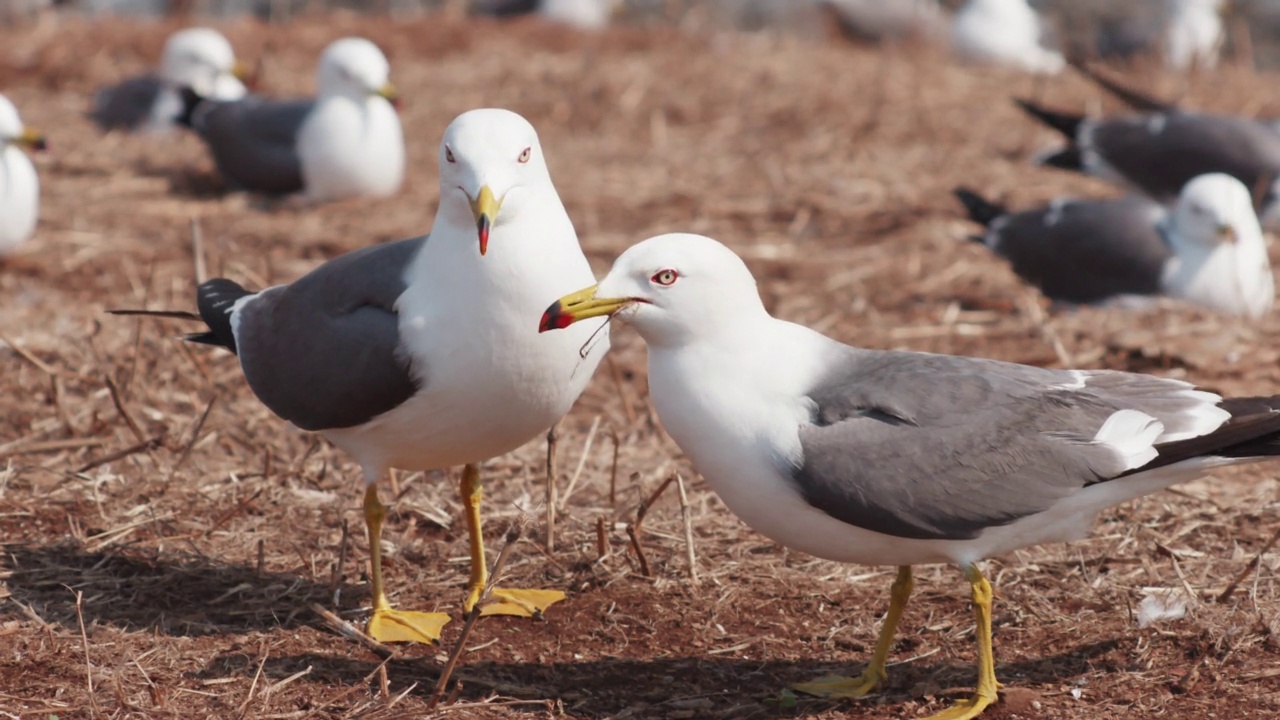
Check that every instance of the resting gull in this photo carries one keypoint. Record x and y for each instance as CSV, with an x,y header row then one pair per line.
x,y
1193,36
19,185
200,58
1003,32
1158,152
346,142
899,458
1208,250
424,353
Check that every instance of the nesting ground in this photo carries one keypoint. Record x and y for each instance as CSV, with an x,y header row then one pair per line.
x,y
153,565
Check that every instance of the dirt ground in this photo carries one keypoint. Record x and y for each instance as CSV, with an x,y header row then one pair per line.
x,y
155,562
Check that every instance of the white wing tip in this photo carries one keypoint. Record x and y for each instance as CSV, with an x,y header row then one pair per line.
x,y
1132,434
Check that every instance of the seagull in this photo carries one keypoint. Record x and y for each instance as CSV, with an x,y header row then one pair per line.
x,y
1208,250
899,458
1194,34
1157,153
200,58
580,14
344,143
19,185
1003,32
888,20
423,353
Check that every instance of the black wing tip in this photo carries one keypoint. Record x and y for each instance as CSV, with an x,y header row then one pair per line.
x,y
216,299
172,314
981,210
1068,158
1066,123
190,101
1135,99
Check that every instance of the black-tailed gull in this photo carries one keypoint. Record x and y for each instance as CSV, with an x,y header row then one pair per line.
x,y
899,458
1193,36
1208,249
346,142
19,184
1157,153
424,353
1003,32
200,58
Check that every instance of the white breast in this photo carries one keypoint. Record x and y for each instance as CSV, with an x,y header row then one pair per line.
x,y
19,198
351,149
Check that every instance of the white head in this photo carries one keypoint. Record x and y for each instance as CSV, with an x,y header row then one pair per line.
x,y
201,58
1212,210
13,132
355,68
673,288
491,169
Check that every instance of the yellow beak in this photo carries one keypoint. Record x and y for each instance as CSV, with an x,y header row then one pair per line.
x,y
242,72
484,207
32,138
389,92
1226,234
579,306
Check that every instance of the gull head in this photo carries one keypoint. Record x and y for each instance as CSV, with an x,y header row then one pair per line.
x,y
1215,209
203,59
491,168
674,289
13,132
355,68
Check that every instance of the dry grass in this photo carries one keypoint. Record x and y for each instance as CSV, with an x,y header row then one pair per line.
x,y
193,547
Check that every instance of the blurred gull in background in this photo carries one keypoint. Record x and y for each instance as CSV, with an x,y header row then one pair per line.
x,y
1003,32
347,142
197,57
1208,250
1194,34
19,186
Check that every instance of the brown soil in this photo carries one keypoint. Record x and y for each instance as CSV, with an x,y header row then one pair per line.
x,y
177,580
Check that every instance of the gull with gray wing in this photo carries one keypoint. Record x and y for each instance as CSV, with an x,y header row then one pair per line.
x,y
899,458
424,353
346,142
1207,250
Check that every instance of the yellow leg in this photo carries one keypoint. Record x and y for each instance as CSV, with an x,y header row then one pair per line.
x,y
508,601
387,624
987,685
836,686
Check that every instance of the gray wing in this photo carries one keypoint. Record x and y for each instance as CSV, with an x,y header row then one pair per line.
x,y
324,352
126,106
254,141
1084,251
940,447
1159,153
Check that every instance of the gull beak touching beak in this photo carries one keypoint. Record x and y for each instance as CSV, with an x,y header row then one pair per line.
x,y
1226,234
389,93
32,139
484,207
579,306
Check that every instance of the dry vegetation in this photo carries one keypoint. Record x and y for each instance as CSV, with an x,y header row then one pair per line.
x,y
158,563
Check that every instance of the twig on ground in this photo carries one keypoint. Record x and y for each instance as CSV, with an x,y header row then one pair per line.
x,y
613,470
1248,569
633,530
197,252
582,462
686,514
552,437
253,686
144,446
602,539
513,537
124,413
351,632
84,642
28,356
621,387
336,584
195,435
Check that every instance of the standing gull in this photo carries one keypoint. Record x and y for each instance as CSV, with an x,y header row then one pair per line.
x,y
19,185
200,58
1003,32
1209,250
1158,152
346,142
899,458
424,353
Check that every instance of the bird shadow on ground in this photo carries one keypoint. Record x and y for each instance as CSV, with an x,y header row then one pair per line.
x,y
185,181
176,594
709,687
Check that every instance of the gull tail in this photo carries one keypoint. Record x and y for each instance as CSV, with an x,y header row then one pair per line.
x,y
191,101
216,300
1068,158
1137,100
1252,432
1064,123
981,210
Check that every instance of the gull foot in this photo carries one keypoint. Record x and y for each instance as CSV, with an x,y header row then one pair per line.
x,y
836,687
965,709
391,625
520,603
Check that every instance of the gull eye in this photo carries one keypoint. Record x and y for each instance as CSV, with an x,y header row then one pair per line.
x,y
524,155
448,154
665,277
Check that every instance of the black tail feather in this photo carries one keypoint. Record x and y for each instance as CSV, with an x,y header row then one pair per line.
x,y
171,314
1253,431
1137,100
981,210
190,101
215,298
1068,158
1064,123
